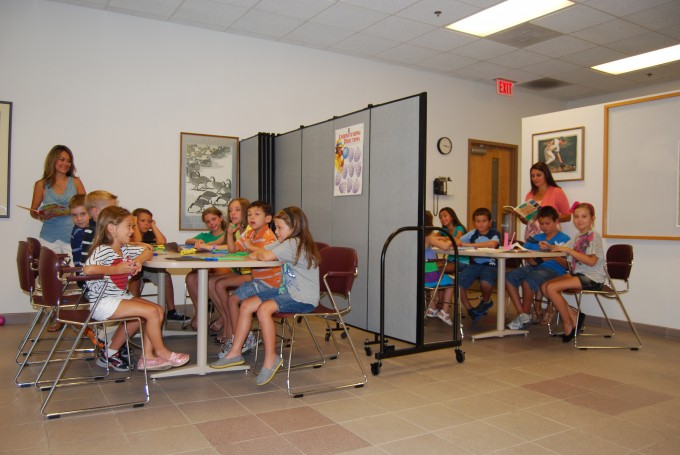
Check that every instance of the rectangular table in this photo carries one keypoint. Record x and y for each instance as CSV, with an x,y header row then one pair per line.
x,y
201,262
501,256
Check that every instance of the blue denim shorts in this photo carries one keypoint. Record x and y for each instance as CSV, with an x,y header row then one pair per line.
x,y
285,302
532,274
483,272
587,284
251,288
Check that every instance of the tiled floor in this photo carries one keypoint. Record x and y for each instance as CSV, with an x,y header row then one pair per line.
x,y
517,395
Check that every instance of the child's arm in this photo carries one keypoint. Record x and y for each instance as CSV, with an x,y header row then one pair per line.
x,y
145,255
263,255
160,238
136,233
588,259
438,241
119,269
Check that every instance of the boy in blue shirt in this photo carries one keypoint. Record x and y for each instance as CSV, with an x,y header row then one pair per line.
x,y
484,269
530,277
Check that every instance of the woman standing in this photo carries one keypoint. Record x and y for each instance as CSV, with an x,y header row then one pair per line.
x,y
546,192
57,185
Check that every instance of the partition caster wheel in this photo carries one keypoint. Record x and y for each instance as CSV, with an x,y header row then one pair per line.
x,y
343,335
375,368
328,336
460,356
368,350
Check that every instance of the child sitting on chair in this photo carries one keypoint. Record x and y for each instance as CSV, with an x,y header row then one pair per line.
x,y
484,269
531,276
433,272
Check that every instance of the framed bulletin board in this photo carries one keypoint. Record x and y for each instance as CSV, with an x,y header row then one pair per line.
x,y
642,168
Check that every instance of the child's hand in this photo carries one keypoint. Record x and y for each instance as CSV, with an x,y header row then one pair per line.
x,y
203,246
122,268
249,245
136,266
545,245
231,229
458,242
199,244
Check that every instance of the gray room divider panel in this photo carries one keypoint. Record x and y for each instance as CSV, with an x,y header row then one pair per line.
x,y
288,170
248,169
317,178
396,200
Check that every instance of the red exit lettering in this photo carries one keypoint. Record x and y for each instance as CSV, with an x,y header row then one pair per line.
x,y
504,87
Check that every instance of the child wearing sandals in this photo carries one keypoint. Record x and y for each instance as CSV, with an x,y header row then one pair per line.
x,y
586,263
433,273
112,255
299,291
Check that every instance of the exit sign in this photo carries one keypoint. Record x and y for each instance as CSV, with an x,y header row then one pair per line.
x,y
504,87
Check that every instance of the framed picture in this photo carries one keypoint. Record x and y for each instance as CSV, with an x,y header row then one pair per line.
x,y
562,151
208,176
5,146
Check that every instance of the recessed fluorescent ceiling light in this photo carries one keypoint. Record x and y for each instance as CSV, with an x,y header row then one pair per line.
x,y
506,15
636,62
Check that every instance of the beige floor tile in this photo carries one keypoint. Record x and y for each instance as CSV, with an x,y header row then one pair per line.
x,y
479,406
268,401
423,445
526,425
296,419
326,440
568,414
271,444
624,433
396,400
236,429
218,409
521,398
603,403
168,440
577,442
434,417
479,437
349,409
137,420
23,436
383,428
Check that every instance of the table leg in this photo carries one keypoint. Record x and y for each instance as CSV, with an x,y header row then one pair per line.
x,y
500,331
201,367
161,301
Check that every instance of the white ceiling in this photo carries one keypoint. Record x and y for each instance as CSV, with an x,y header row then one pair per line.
x,y
560,46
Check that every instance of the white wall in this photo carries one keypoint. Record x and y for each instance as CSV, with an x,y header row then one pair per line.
x,y
652,298
118,90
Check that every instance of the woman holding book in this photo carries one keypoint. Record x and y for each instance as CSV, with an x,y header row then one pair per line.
x,y
50,198
545,192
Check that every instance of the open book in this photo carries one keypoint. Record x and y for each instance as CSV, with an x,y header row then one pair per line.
x,y
51,209
527,210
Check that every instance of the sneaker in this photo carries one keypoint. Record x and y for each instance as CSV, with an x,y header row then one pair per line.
x,y
267,374
474,315
431,313
115,362
444,316
155,364
520,322
483,307
129,357
174,315
226,347
249,345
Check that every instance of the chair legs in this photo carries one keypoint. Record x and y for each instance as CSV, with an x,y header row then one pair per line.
x,y
53,386
613,295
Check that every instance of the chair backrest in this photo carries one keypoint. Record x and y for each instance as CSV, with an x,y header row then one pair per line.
x,y
338,259
26,273
35,247
49,268
619,261
321,245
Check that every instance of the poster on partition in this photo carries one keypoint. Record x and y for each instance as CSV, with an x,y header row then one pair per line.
x,y
348,160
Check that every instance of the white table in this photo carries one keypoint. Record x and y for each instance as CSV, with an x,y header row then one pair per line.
x,y
166,260
501,255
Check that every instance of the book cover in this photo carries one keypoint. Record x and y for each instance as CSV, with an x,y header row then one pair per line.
x,y
527,210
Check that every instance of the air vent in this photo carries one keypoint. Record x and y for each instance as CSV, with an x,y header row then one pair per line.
x,y
545,83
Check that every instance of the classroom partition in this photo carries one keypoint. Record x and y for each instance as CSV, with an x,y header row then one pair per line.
x,y
381,152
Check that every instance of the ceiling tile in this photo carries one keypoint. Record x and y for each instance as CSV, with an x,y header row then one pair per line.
x,y
518,59
673,31
642,43
582,75
483,50
553,67
659,17
611,31
207,12
622,7
365,45
451,11
573,18
263,24
96,4
406,53
299,9
385,6
562,45
483,70
349,17
398,28
518,76
446,62
442,39
317,35
594,56
157,9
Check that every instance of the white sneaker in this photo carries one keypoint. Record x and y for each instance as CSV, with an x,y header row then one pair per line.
x,y
250,343
226,347
520,322
444,316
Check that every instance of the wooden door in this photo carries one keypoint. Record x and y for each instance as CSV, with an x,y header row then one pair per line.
x,y
492,181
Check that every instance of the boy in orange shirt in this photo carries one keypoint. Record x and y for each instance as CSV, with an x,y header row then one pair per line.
x,y
260,215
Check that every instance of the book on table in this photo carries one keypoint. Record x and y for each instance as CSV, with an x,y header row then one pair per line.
x,y
527,210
